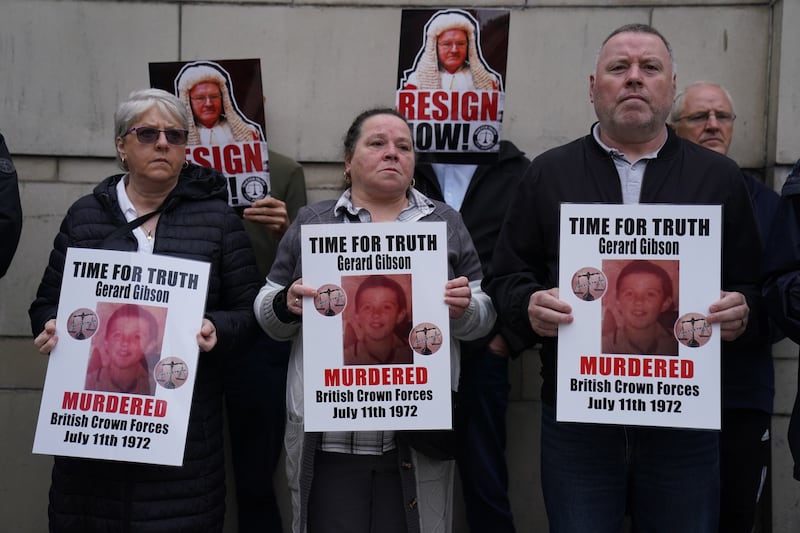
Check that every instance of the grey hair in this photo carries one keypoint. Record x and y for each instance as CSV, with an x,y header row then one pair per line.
x,y
638,28
140,102
677,104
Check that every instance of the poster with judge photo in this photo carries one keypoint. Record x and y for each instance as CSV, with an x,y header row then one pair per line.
x,y
376,337
224,100
640,351
119,382
451,88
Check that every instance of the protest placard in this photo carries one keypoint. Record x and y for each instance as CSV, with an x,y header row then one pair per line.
x,y
376,338
119,382
225,104
640,279
451,70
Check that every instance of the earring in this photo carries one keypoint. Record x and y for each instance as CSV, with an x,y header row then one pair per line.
x,y
347,178
185,164
124,163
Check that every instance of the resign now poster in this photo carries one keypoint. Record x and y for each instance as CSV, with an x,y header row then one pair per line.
x,y
451,71
119,382
640,279
225,104
376,338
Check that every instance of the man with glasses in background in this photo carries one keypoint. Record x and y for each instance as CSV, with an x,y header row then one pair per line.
x,y
703,113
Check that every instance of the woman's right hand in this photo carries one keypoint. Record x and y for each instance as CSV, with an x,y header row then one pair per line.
x,y
294,297
47,339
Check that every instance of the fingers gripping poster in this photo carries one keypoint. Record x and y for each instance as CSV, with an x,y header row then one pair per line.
x,y
119,382
640,351
376,335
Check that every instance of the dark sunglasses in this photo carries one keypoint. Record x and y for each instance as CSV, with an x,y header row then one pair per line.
x,y
148,135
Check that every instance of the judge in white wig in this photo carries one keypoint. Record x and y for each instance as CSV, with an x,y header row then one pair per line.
x,y
432,69
222,122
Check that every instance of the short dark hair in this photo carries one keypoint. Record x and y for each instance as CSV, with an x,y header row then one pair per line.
x,y
642,266
354,132
380,281
641,28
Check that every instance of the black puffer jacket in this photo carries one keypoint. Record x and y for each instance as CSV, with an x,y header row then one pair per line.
x,y
196,223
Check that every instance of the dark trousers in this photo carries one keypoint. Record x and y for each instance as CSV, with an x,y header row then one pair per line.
x,y
255,398
668,479
356,494
744,459
481,428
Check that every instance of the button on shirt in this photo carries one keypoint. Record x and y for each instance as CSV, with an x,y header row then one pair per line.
x,y
630,174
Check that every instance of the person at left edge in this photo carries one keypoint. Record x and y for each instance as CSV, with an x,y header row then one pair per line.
x,y
11,210
369,481
192,220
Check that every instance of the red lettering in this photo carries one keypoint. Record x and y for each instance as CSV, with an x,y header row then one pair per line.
x,y
136,406
440,103
406,375
471,107
422,105
233,160
253,162
405,105
98,402
658,367
490,104
588,365
109,403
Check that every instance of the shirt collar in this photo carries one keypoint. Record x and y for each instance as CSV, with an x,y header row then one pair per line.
x,y
418,206
125,204
616,153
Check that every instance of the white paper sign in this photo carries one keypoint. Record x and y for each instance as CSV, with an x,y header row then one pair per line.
x,y
640,279
376,337
119,382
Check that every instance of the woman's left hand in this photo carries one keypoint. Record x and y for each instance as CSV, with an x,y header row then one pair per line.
x,y
457,295
207,338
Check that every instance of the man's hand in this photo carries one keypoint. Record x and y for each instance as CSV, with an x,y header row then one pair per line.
x,y
270,213
546,312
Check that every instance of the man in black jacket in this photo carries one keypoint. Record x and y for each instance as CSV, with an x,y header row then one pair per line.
x,y
668,479
482,195
10,209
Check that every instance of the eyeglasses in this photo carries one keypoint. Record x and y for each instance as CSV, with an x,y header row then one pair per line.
x,y
701,118
148,135
447,45
204,99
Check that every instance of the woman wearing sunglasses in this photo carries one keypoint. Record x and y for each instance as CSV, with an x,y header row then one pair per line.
x,y
160,205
